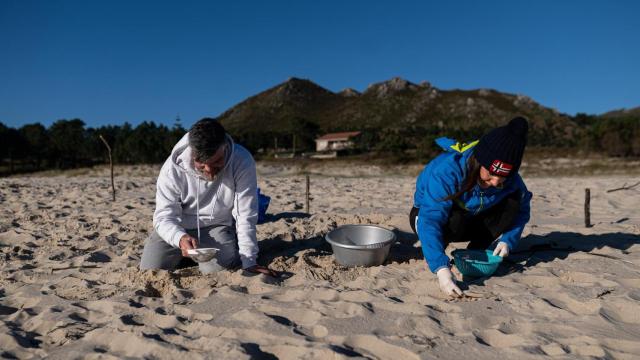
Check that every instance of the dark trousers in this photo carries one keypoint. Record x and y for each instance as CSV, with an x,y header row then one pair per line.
x,y
480,230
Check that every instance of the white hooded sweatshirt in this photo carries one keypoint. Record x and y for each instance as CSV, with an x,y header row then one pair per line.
x,y
187,200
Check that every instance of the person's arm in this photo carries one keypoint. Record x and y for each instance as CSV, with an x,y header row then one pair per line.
x,y
245,210
512,236
166,218
433,216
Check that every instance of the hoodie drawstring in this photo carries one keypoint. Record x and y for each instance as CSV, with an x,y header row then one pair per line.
x,y
213,205
215,199
198,209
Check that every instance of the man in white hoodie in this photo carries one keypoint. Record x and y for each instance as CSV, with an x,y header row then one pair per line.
x,y
206,196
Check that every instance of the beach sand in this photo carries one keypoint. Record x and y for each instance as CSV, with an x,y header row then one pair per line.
x,y
70,285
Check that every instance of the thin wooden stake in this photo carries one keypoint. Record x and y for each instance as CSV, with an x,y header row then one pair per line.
x,y
307,195
113,186
625,187
587,210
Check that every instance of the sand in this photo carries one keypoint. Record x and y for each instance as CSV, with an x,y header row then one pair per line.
x,y
70,287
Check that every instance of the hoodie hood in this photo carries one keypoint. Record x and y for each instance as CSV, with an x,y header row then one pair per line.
x,y
186,200
183,161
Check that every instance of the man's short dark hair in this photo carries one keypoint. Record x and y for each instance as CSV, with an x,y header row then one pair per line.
x,y
205,138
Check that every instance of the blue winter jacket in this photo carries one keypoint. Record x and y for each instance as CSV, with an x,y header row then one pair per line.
x,y
442,177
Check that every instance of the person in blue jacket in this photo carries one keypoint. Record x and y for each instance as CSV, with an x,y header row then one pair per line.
x,y
472,193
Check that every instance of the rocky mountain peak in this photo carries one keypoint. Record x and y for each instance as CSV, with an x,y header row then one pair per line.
x,y
295,85
349,92
390,87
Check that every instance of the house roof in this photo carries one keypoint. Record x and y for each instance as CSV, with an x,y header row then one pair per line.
x,y
339,136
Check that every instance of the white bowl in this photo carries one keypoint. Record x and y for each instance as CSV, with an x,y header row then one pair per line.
x,y
202,254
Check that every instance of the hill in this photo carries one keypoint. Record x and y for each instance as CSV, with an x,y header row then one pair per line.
x,y
394,108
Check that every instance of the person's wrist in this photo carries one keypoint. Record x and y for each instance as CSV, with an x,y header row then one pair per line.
x,y
187,242
175,238
182,241
445,271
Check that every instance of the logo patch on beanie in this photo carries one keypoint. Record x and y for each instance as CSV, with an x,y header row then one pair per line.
x,y
500,168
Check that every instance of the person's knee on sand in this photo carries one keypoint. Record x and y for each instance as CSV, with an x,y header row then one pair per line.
x,y
157,254
224,239
216,265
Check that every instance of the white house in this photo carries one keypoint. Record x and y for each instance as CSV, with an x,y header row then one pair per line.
x,y
336,141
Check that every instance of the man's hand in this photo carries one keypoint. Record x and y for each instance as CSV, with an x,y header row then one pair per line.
x,y
502,249
187,242
257,269
447,284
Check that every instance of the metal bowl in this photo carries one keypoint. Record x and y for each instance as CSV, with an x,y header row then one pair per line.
x,y
202,254
360,245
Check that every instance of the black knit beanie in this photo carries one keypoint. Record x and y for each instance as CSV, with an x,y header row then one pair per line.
x,y
500,150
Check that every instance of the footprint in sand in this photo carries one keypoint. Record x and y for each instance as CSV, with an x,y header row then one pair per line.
x,y
576,277
575,306
553,349
634,295
357,296
319,331
513,327
621,311
72,288
497,338
121,344
343,309
250,317
304,317
538,281
69,331
369,344
7,310
593,351
132,320
323,294
99,257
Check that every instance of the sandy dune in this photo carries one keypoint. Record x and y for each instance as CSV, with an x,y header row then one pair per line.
x,y
70,287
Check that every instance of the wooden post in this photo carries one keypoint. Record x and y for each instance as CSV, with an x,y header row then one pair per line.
x,y
307,195
113,186
587,210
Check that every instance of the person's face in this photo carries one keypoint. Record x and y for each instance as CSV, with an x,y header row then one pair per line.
x,y
213,165
487,180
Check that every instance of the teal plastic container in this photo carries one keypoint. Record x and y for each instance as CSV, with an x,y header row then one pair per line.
x,y
476,263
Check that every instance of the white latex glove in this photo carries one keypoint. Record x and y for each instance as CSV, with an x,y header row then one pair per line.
x,y
502,249
447,284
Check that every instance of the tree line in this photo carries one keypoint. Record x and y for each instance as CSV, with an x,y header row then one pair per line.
x,y
69,144
610,136
618,136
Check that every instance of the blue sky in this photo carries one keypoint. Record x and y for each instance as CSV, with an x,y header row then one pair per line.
x,y
108,62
